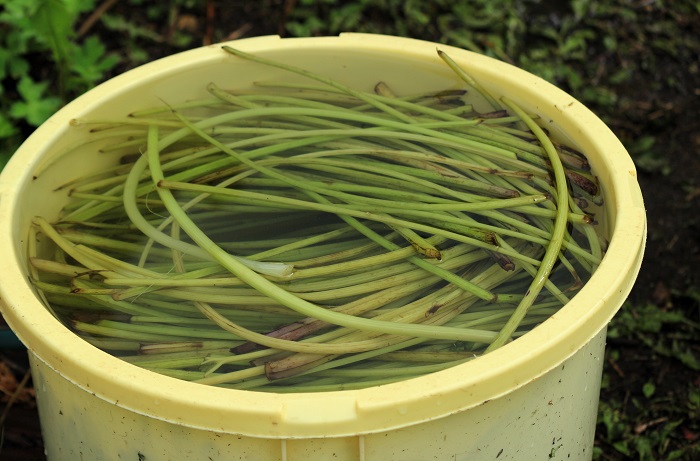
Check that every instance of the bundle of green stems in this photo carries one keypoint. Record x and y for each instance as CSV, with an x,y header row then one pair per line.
x,y
305,237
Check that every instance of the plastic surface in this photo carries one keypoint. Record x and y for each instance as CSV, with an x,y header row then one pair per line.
x,y
550,418
89,400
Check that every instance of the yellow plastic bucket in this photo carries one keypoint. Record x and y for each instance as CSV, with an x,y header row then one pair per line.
x,y
535,398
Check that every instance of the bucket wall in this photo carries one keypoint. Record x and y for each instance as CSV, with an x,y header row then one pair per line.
x,y
553,417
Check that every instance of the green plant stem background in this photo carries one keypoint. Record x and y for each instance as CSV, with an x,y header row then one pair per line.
x,y
633,62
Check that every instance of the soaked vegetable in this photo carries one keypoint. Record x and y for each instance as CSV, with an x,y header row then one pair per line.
x,y
315,237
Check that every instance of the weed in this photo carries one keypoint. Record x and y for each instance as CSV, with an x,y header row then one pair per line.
x,y
46,60
42,65
644,429
650,416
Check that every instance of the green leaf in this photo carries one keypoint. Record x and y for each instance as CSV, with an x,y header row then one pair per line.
x,y
7,128
311,26
648,389
653,162
90,61
644,448
13,47
346,18
685,355
676,454
642,144
5,56
35,107
622,447
580,7
122,25
53,24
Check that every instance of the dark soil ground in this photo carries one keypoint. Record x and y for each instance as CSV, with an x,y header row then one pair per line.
x,y
653,342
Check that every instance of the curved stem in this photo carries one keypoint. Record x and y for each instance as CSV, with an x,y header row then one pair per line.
x,y
555,244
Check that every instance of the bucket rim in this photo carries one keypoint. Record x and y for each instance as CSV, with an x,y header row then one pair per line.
x,y
349,412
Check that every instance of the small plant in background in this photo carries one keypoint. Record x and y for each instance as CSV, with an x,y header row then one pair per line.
x,y
667,332
42,64
657,419
51,51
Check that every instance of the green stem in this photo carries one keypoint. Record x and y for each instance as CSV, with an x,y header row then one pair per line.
x,y
552,252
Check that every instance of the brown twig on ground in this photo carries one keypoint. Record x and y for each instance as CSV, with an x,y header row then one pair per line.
x,y
288,8
13,398
616,367
241,31
209,31
95,16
